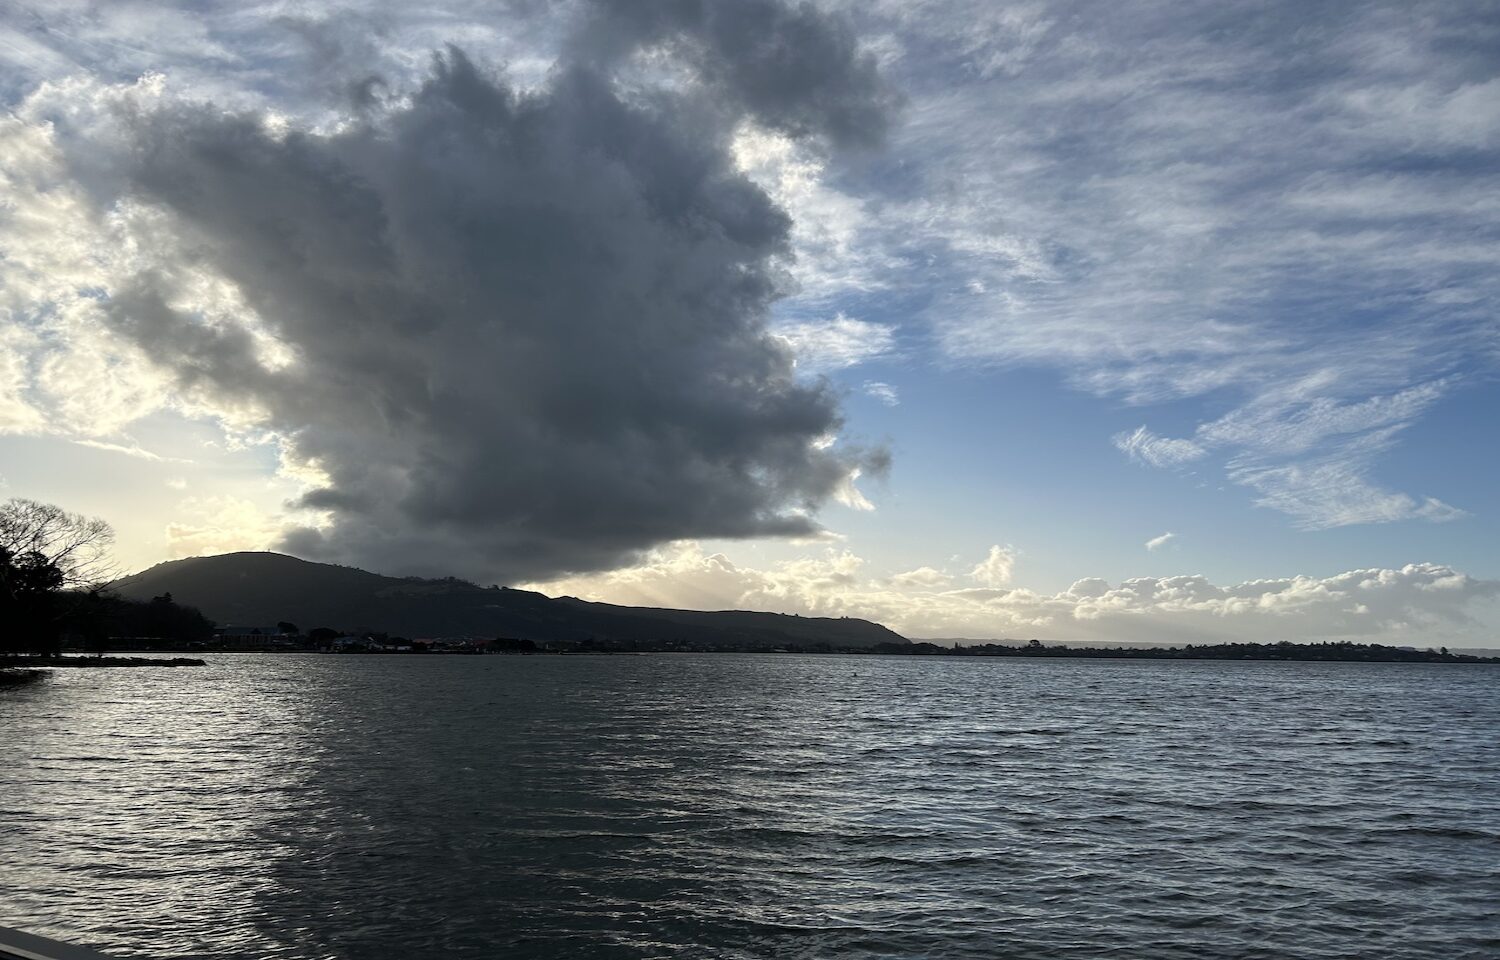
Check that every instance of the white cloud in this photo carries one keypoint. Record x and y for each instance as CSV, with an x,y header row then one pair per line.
x,y
1421,603
1156,543
849,494
921,577
1311,457
837,250
205,526
17,413
1088,588
1306,455
129,450
883,392
1296,420
996,568
1436,511
65,371
822,346
1146,447
1333,489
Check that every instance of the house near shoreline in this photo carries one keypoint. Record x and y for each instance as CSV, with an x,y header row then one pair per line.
x,y
252,638
355,643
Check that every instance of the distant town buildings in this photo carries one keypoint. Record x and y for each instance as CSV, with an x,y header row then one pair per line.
x,y
255,638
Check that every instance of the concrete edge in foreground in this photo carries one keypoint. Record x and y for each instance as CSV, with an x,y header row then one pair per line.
x,y
15,945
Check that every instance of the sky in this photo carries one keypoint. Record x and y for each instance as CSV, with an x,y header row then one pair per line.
x,y
1167,321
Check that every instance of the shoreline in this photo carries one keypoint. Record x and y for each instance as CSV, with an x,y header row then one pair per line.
x,y
29,663
1296,653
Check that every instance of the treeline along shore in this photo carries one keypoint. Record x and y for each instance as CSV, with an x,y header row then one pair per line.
x,y
1339,651
1336,652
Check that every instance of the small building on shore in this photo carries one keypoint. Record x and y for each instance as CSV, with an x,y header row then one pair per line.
x,y
252,638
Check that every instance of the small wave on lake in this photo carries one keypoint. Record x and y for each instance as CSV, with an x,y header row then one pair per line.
x,y
287,806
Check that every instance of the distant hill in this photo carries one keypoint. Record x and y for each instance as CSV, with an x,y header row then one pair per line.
x,y
265,588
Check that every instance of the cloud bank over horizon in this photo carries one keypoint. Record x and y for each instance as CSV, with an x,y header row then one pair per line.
x,y
1422,604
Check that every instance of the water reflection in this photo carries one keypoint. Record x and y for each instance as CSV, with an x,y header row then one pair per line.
x,y
754,806
527,805
135,798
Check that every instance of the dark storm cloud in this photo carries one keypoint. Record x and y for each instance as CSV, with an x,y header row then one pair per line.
x,y
793,68
528,328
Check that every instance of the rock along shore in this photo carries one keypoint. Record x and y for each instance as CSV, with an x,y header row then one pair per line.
x,y
30,662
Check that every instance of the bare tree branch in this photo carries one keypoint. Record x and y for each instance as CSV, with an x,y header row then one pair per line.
x,y
77,545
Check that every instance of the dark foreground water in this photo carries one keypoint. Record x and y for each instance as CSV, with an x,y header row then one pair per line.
x,y
744,806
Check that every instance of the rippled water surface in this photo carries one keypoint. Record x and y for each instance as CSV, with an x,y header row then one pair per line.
x,y
755,806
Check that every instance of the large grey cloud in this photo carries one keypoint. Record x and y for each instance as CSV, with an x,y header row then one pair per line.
x,y
523,331
795,69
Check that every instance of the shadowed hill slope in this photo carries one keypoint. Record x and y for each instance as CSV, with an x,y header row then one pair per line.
x,y
265,588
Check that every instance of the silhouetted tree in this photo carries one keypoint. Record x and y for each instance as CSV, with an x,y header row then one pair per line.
x,y
513,645
287,626
97,616
161,619
77,546
90,620
29,602
45,552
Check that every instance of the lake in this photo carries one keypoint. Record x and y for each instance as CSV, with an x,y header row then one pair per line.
x,y
306,806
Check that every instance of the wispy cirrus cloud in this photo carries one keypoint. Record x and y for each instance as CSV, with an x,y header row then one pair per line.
x,y
838,343
1308,456
1285,212
130,450
883,392
1146,447
1332,489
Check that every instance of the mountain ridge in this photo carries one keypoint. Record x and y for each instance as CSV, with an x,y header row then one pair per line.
x,y
259,588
